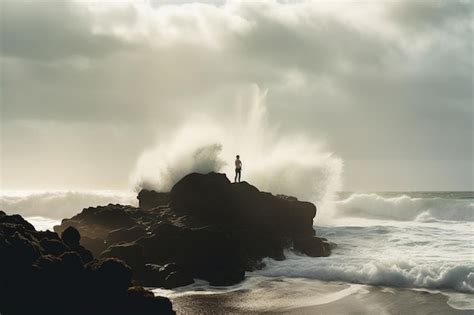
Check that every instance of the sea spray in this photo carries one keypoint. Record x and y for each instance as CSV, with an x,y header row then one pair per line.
x,y
276,162
396,254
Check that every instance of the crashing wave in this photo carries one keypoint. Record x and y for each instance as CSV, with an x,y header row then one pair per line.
x,y
390,272
405,208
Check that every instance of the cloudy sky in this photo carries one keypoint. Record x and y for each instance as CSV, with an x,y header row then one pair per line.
x,y
88,86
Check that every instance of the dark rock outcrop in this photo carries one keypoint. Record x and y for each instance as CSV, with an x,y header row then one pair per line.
x,y
130,253
211,228
149,199
41,273
125,235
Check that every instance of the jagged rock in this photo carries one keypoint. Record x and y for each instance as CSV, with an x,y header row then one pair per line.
x,y
130,253
125,235
97,222
148,199
47,234
53,246
112,276
24,250
61,283
314,247
112,216
151,276
202,251
17,220
95,245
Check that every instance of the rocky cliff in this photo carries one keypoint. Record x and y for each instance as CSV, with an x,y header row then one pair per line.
x,y
205,227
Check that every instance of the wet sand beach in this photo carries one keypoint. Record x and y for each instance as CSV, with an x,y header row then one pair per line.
x,y
302,296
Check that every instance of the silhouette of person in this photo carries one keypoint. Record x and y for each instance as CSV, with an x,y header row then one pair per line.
x,y
238,168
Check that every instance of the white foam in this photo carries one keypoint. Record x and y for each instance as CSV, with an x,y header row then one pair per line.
x,y
272,160
405,208
389,272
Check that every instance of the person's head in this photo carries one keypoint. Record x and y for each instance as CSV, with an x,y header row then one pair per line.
x,y
237,157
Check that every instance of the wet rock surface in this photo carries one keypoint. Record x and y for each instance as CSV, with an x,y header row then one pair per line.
x,y
211,228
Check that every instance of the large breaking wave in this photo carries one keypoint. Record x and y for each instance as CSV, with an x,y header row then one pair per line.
x,y
408,254
392,272
273,161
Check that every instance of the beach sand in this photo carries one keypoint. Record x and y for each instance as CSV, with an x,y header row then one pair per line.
x,y
303,296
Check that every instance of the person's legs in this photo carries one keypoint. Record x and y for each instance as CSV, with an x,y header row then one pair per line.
x,y
240,171
236,173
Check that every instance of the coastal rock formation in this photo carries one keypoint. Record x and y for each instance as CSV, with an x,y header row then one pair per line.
x,y
206,227
42,273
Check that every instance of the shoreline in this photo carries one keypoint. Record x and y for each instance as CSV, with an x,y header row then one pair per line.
x,y
259,294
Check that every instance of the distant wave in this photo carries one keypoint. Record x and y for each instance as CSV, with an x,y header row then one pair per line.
x,y
405,208
391,272
59,204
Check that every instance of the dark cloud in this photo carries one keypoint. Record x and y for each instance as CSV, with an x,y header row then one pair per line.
x,y
52,30
428,15
390,82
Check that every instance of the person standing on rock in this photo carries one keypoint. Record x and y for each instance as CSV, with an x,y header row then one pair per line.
x,y
238,168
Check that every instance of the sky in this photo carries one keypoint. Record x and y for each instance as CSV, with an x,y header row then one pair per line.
x,y
88,87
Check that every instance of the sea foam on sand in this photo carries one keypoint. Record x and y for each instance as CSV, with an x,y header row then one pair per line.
x,y
259,294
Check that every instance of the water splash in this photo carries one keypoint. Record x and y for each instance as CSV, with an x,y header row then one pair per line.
x,y
289,164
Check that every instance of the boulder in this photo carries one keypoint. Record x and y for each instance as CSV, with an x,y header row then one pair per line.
x,y
110,275
71,261
314,246
85,254
44,264
143,302
71,236
130,253
151,276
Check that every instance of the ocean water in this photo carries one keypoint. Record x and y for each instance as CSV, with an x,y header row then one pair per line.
x,y
421,240
414,240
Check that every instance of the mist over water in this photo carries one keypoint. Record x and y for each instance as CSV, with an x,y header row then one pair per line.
x,y
290,164
59,204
